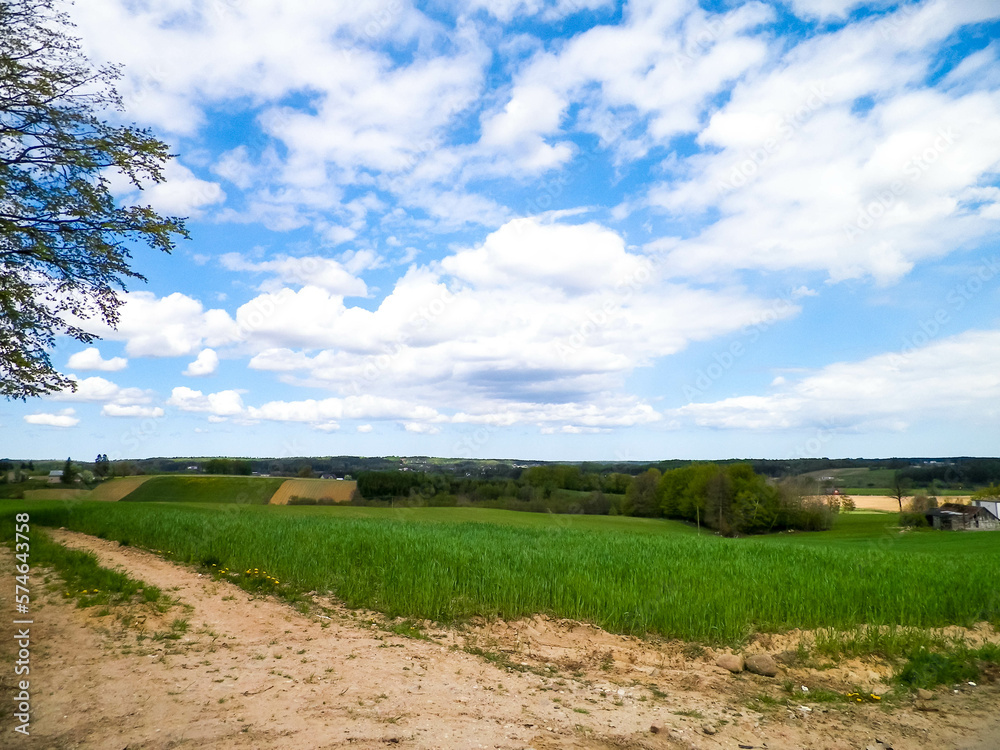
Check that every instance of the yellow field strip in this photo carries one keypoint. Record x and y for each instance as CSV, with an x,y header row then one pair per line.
x,y
338,490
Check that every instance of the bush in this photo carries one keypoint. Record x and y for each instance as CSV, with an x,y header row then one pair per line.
x,y
913,519
297,500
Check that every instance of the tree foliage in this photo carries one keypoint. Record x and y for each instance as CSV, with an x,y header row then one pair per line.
x,y
236,466
68,472
64,241
733,499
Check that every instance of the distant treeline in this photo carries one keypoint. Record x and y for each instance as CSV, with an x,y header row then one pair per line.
x,y
961,473
946,473
535,482
237,466
729,498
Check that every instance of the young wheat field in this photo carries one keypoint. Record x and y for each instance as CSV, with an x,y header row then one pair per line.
x,y
626,575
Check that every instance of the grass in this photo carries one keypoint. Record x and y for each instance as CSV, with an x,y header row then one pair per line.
x,y
626,575
84,580
891,642
206,489
928,669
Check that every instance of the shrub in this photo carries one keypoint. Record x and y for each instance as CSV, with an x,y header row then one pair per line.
x,y
912,519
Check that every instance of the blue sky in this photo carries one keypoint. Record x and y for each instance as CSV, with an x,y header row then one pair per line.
x,y
554,229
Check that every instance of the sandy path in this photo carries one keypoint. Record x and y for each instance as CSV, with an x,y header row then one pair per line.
x,y
254,673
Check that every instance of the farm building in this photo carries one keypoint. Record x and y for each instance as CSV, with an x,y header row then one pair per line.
x,y
955,517
55,476
993,506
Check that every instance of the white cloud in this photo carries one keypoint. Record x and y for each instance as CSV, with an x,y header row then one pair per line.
x,y
113,410
367,111
206,363
63,418
803,179
508,10
421,429
100,390
538,314
332,409
180,194
171,326
234,165
576,259
223,404
365,428
324,273
654,73
955,377
90,359
826,8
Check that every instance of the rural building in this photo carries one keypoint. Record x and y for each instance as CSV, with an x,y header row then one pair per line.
x,y
955,517
55,476
993,506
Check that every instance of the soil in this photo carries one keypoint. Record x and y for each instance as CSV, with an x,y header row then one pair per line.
x,y
254,672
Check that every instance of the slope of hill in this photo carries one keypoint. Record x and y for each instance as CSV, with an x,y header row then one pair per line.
x,y
205,489
115,489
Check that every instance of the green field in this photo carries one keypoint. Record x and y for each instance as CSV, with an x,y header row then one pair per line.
x,y
624,574
202,489
858,477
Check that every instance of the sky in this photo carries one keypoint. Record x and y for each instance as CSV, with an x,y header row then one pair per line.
x,y
550,229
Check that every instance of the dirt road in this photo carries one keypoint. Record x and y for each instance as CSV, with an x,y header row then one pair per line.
x,y
255,673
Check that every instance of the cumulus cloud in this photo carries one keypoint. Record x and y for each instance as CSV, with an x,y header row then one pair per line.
x,y
324,273
367,111
331,409
537,323
840,159
228,403
171,326
63,418
99,390
181,193
652,75
956,376
573,258
206,363
90,359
